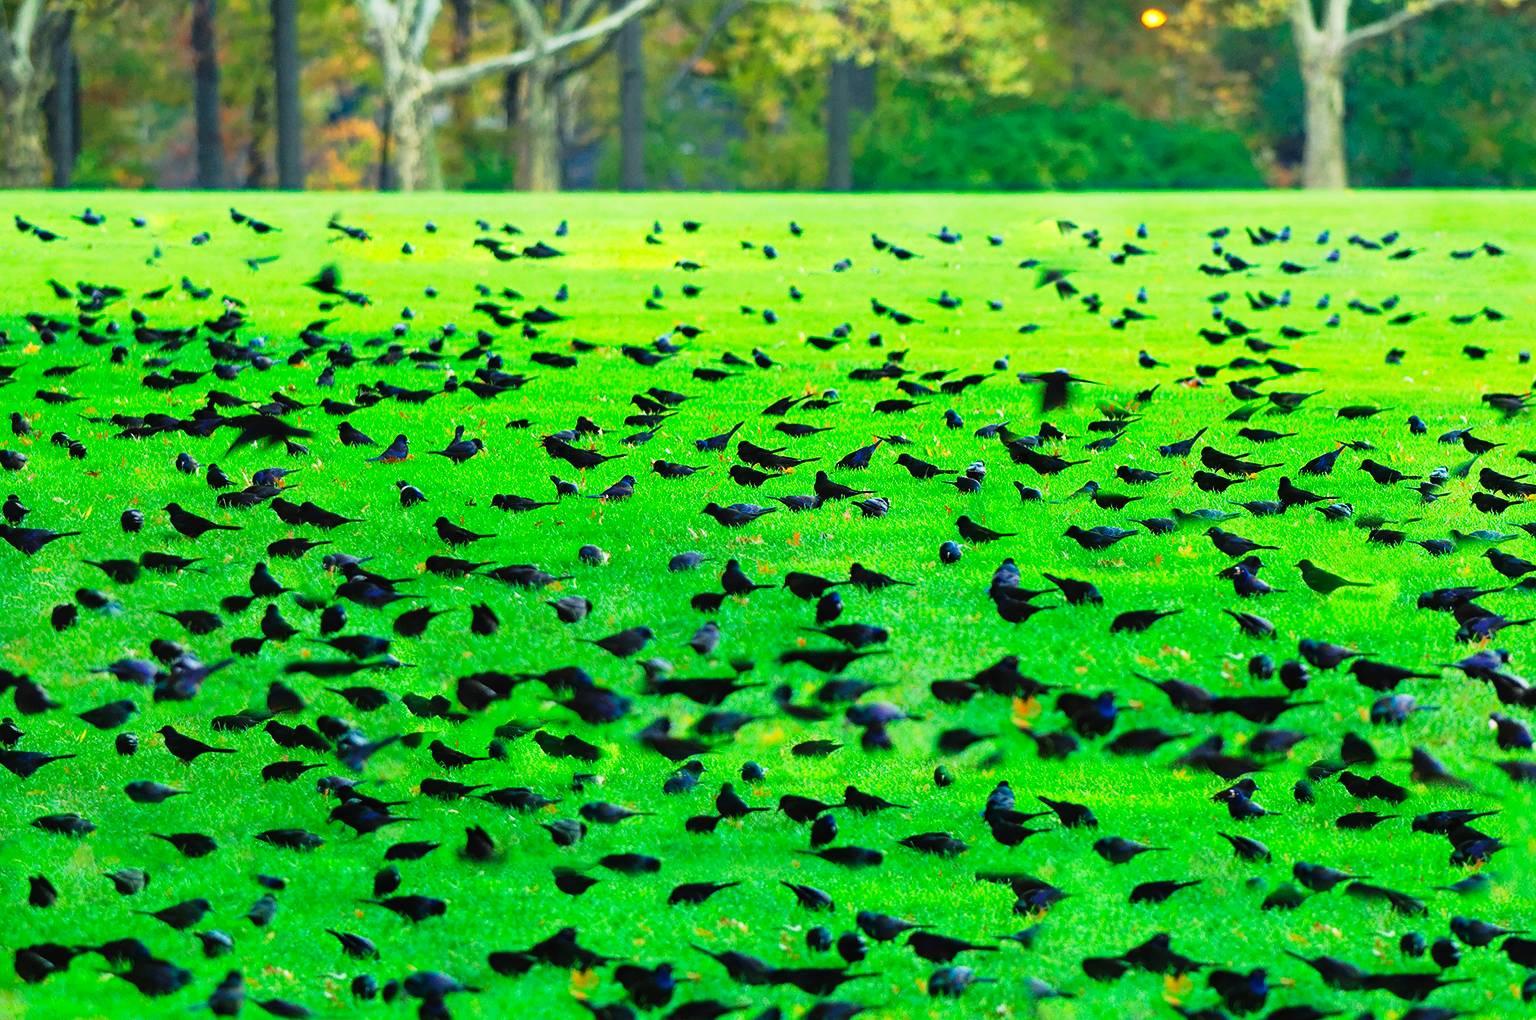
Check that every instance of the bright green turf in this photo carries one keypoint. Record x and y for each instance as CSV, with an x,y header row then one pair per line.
x,y
945,628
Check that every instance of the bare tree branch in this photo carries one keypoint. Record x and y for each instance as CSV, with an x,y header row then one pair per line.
x,y
531,19
34,29
422,20
831,6
578,13
1393,22
1336,20
579,65
382,17
722,18
452,79
1303,25
27,16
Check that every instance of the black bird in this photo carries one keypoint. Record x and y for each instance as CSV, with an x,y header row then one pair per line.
x,y
941,948
31,541
454,535
181,916
191,525
737,514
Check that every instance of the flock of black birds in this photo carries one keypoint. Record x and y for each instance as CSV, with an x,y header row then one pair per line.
x,y
201,379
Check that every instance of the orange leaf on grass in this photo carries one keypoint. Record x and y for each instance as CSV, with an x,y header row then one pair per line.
x,y
1024,711
582,982
1175,987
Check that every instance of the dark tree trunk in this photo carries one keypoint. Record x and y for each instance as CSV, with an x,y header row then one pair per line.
x,y
509,88
460,105
511,84
205,63
564,113
77,136
631,104
285,79
1407,154
866,77
256,169
386,149
463,33
63,109
840,126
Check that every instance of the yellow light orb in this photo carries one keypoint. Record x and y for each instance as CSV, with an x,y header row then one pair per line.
x,y
1153,17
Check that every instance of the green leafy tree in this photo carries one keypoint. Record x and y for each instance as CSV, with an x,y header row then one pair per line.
x,y
953,47
1423,108
1326,35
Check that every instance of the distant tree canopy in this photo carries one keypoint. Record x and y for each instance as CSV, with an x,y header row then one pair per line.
x,y
1327,36
782,94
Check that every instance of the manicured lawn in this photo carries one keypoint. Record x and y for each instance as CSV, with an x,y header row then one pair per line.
x,y
944,626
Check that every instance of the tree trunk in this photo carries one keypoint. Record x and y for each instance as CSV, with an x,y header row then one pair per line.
x,y
205,66
1404,175
839,126
1324,162
23,160
25,83
405,143
63,104
256,169
285,80
77,143
461,108
511,90
459,47
631,105
538,128
387,148
863,90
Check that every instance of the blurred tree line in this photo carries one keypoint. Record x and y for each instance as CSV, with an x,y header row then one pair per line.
x,y
764,94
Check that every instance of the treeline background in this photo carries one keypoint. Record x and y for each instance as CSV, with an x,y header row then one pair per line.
x,y
778,94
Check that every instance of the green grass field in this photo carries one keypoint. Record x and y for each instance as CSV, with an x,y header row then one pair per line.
x,y
943,627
